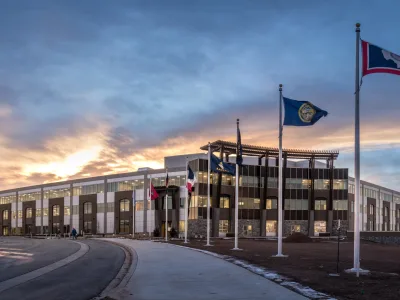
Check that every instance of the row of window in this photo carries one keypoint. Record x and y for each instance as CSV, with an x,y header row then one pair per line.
x,y
291,183
368,192
8,199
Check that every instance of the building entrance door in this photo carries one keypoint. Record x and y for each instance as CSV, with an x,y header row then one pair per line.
x,y
270,228
28,229
5,230
163,229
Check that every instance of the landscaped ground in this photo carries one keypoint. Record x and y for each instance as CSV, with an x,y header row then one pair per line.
x,y
310,263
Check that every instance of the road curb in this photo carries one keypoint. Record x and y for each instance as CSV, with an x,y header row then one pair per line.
x,y
124,274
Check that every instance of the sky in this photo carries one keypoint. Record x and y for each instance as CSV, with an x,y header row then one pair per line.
x,y
93,88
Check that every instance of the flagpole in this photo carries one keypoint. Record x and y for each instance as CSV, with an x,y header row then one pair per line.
x,y
356,265
280,177
208,195
166,209
134,212
186,201
150,204
237,196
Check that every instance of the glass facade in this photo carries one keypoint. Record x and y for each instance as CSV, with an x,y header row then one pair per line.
x,y
124,205
386,196
370,193
28,213
88,189
56,210
22,197
296,204
320,205
66,211
87,208
271,204
127,185
8,199
340,204
5,214
178,180
56,193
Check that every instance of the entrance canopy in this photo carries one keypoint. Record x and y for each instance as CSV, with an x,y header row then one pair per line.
x,y
259,151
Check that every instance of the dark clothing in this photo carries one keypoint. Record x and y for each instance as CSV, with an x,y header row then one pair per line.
x,y
73,234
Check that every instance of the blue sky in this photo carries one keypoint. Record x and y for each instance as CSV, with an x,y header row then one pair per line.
x,y
100,87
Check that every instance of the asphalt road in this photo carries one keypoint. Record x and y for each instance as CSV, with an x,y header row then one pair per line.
x,y
82,279
20,255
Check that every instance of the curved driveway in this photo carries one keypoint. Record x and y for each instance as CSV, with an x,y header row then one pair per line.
x,y
166,272
81,279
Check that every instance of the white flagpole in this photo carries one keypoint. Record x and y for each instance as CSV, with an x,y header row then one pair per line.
x,y
186,201
356,265
280,177
208,195
237,199
166,210
150,204
134,211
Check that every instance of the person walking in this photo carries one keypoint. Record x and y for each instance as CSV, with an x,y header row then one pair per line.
x,y
73,233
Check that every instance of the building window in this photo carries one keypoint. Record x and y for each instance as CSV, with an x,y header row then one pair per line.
x,y
321,184
320,205
371,209
56,227
296,228
271,226
386,211
224,202
182,226
124,205
256,203
38,212
87,226
340,204
67,211
20,214
124,226
87,208
28,213
319,226
139,205
223,226
247,230
56,210
340,184
271,204
5,214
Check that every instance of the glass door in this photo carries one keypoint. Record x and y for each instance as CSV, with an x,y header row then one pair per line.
x,y
271,228
5,230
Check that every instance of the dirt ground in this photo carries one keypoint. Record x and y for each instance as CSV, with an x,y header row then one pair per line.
x,y
310,263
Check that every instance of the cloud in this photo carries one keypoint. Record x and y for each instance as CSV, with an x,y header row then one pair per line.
x,y
90,89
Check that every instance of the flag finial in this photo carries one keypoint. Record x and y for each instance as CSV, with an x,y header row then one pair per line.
x,y
237,121
280,87
358,27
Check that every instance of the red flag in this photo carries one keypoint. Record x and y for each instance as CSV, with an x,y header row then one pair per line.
x,y
153,192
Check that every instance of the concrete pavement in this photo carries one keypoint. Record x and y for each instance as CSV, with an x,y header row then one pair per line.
x,y
166,272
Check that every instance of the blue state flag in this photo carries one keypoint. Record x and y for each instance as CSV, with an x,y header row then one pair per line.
x,y
301,113
219,166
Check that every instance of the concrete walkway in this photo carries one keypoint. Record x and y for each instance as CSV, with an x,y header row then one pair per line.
x,y
165,272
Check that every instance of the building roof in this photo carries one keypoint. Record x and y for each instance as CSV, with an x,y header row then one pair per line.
x,y
259,151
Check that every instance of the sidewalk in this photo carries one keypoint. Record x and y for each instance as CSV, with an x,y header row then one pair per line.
x,y
165,272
